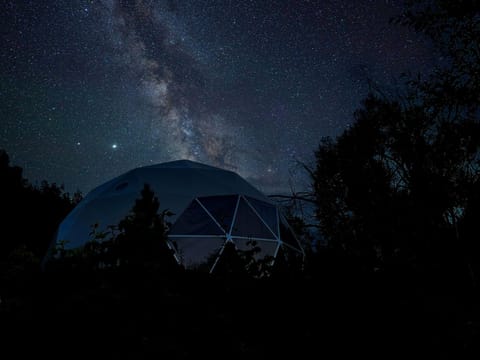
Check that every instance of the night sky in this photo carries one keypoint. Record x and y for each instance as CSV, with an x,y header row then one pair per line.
x,y
90,89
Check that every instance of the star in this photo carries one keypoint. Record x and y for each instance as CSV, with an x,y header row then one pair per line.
x,y
114,146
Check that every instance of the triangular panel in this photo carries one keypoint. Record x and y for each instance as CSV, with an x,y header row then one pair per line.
x,y
268,212
221,208
248,224
195,221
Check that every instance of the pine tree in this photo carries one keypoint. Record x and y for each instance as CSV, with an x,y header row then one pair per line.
x,y
142,239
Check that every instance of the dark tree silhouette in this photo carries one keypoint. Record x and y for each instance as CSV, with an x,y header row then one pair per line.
x,y
29,217
395,182
453,26
142,241
31,214
400,185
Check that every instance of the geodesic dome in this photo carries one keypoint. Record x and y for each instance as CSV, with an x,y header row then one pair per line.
x,y
211,207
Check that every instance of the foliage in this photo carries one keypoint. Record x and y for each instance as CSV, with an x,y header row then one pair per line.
x,y
29,215
454,27
396,179
400,185
248,262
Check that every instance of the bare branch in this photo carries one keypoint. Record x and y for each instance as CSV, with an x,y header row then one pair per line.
x,y
294,197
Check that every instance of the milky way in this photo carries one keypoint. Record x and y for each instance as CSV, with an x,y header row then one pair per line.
x,y
171,82
90,89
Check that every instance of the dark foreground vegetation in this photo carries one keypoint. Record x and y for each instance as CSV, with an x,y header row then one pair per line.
x,y
122,297
397,199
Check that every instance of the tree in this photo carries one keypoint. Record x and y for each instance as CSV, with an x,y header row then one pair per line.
x,y
452,94
29,215
141,241
398,185
454,28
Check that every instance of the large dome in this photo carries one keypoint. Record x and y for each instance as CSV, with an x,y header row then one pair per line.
x,y
211,206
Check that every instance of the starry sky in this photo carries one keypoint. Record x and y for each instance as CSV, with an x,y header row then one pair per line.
x,y
90,89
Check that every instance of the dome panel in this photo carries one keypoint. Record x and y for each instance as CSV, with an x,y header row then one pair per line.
x,y
195,221
221,208
248,224
267,211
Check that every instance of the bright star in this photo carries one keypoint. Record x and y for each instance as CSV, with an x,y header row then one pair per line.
x,y
114,146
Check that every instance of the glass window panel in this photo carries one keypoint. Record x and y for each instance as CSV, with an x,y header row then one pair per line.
x,y
248,224
267,212
221,208
198,252
195,221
